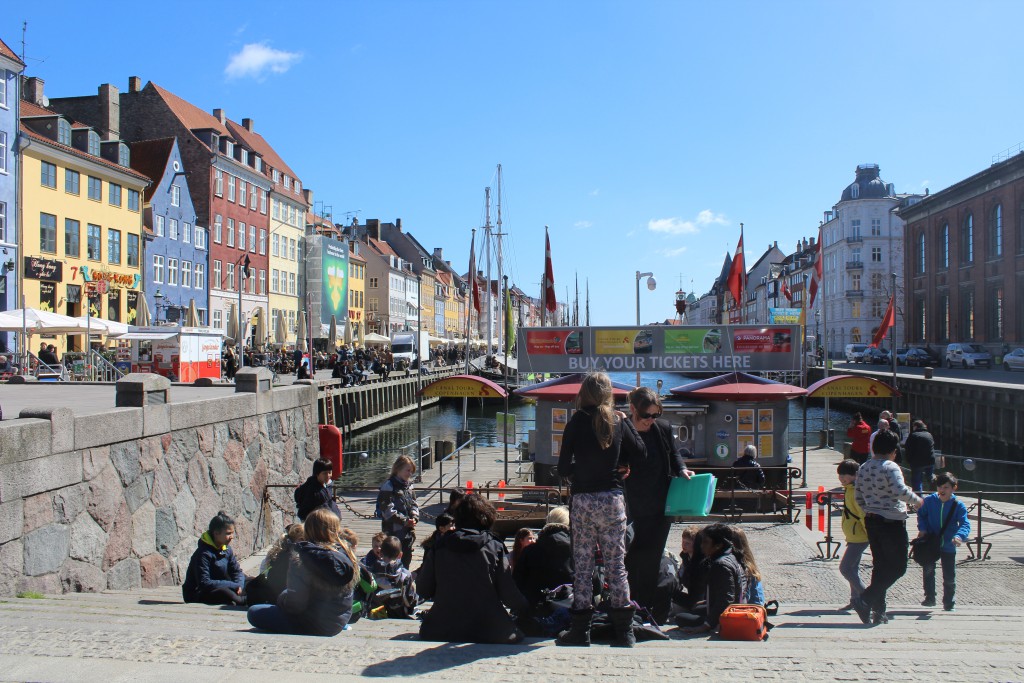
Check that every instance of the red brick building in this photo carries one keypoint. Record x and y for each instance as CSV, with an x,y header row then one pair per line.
x,y
964,260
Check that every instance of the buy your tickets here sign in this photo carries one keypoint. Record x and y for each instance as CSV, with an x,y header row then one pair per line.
x,y
723,348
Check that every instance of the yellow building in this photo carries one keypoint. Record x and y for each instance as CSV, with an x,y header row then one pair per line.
x,y
81,219
356,291
287,249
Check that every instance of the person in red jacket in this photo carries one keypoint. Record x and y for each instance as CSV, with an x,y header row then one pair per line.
x,y
860,432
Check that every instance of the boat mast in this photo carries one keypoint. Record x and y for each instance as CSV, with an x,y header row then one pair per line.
x,y
487,250
501,304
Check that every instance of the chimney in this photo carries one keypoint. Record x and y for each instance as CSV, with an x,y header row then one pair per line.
x,y
248,124
110,112
775,245
449,263
219,115
308,195
32,91
373,228
439,253
812,242
398,224
134,84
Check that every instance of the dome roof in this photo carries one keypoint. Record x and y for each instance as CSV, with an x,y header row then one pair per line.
x,y
867,185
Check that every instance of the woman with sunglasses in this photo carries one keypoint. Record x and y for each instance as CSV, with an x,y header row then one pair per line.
x,y
646,492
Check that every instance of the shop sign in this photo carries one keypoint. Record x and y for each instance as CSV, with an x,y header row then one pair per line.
x,y
43,269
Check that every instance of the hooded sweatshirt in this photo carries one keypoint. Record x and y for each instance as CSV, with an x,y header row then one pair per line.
x,y
211,567
546,564
319,592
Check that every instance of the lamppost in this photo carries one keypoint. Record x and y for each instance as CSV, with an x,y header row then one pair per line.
x,y
652,284
817,338
241,335
159,299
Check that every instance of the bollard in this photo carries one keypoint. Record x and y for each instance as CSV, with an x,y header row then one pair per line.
x,y
825,503
469,486
821,509
807,513
501,495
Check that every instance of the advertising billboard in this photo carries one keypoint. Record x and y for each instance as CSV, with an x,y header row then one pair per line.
x,y
334,282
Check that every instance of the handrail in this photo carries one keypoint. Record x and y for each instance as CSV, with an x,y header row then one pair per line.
x,y
58,370
440,481
107,370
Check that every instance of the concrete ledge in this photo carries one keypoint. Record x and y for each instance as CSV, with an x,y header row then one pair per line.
x,y
24,439
113,426
285,398
212,411
29,477
139,389
156,420
62,426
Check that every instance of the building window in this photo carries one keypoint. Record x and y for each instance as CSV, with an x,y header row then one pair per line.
x,y
92,242
855,335
876,254
186,233
72,231
373,283
855,281
263,202
994,317
175,195
263,282
64,132
966,319
124,155
200,238
291,250
252,238
186,274
241,236
231,277
48,233
218,186
919,258
172,229
133,200
876,283
274,280
113,246
114,194
3,88
218,319
263,242
855,226
252,196
158,225
94,143
231,188
48,175
158,269
943,311
967,240
216,284
72,181
944,245
133,250
218,229
200,274
995,232
291,283
172,271
241,192
95,189
231,232
3,143
252,280
854,309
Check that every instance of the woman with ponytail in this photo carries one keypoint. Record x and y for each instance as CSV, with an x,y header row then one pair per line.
x,y
598,446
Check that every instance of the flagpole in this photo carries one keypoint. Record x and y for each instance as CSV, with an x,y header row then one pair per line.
x,y
505,373
892,343
469,315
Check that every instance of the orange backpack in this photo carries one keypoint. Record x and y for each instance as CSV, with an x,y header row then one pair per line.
x,y
747,622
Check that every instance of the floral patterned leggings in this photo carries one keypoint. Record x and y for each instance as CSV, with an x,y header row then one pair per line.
x,y
598,520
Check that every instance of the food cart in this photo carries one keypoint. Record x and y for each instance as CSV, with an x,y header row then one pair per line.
x,y
182,354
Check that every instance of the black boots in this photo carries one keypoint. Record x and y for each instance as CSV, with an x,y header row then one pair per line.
x,y
622,622
578,634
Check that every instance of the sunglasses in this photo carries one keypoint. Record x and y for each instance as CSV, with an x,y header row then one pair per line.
x,y
650,416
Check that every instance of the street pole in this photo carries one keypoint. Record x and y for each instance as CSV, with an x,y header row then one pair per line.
x,y
892,343
241,345
419,382
504,427
651,286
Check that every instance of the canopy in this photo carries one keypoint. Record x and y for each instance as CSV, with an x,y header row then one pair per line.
x,y
564,389
103,326
738,386
37,321
374,338
433,341
850,386
463,386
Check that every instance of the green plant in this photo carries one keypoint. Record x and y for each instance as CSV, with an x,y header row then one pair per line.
x,y
30,595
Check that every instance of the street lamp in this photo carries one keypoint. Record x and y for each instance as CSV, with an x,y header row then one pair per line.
x,y
652,284
159,299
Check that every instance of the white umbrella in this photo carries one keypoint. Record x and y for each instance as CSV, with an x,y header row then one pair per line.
x,y
332,333
348,333
103,326
142,312
300,333
231,326
280,330
41,321
374,338
192,317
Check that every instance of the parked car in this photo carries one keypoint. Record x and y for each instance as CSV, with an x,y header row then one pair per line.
x,y
914,357
1014,360
877,356
855,353
967,356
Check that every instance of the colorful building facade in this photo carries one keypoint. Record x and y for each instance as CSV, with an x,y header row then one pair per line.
x,y
11,68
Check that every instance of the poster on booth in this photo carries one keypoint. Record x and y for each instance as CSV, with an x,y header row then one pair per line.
x,y
200,355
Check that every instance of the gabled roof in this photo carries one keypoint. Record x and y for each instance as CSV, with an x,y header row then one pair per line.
x,y
150,157
255,142
82,155
191,116
9,53
382,247
30,109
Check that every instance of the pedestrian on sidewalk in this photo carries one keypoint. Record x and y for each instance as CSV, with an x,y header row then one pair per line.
x,y
860,432
943,508
853,529
920,449
599,446
882,494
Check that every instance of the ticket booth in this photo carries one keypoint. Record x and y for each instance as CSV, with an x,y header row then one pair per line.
x,y
182,354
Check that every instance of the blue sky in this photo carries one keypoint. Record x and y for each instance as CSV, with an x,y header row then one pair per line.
x,y
642,133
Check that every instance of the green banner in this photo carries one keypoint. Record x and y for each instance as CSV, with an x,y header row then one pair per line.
x,y
334,282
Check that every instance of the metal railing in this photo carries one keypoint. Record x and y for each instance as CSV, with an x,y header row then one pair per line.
x,y
102,369
442,483
731,488
56,372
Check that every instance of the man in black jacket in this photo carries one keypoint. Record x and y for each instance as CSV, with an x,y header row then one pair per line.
x,y
316,491
920,451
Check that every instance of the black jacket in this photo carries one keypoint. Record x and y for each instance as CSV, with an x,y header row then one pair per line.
x,y
311,495
649,479
211,568
397,503
727,584
751,475
265,588
920,449
319,593
545,564
593,469
468,578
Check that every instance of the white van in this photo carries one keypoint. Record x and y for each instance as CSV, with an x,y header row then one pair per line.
x,y
967,356
855,353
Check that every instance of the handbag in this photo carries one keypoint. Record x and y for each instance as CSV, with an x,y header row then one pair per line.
x,y
926,549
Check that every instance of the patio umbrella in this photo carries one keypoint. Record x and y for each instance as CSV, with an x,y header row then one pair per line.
x,y
348,333
103,326
192,317
300,333
332,333
362,334
261,327
37,321
231,324
142,315
374,338
280,330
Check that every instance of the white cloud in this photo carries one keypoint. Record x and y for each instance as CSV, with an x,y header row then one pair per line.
x,y
707,217
582,225
256,59
630,233
671,253
679,226
595,192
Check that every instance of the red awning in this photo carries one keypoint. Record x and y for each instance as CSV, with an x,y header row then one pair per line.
x,y
565,393
738,387
463,386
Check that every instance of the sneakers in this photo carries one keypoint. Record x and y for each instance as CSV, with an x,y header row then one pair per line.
x,y
950,607
879,617
863,610
928,602
846,608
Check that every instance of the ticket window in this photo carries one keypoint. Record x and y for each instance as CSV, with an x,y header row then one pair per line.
x,y
688,428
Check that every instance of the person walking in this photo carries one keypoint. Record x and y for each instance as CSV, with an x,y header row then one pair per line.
x,y
860,432
920,449
598,448
646,491
881,492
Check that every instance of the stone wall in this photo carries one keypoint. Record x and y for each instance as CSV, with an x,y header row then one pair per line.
x,y
118,500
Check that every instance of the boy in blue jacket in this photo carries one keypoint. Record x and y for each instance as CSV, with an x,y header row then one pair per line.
x,y
936,509
214,576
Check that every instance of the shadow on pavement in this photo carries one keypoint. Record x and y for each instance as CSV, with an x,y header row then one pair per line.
x,y
161,602
441,657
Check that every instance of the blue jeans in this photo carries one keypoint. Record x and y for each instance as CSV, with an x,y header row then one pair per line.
x,y
948,561
849,567
919,476
272,618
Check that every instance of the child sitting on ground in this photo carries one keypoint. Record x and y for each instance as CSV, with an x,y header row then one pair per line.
x,y
394,574
937,508
273,576
726,581
741,547
692,571
854,530
524,537
373,561
214,576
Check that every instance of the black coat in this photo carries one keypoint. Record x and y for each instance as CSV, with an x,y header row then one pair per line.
x,y
211,568
593,469
649,478
469,578
311,495
545,564
727,584
319,594
920,448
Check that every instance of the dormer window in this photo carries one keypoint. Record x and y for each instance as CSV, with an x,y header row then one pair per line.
x,y
229,148
257,162
276,175
94,143
298,186
854,191
287,183
124,155
214,141
243,156
63,132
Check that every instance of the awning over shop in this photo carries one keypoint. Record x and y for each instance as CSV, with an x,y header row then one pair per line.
x,y
463,386
738,386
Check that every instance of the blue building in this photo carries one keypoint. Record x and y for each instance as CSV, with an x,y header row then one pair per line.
x,y
176,250
10,76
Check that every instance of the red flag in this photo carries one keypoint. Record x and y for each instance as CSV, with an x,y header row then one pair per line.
x,y
887,321
550,302
816,277
785,291
737,273
474,290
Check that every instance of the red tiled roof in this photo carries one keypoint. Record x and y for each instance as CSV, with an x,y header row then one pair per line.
x,y
353,256
9,53
444,277
189,114
382,247
149,157
258,144
29,108
78,153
